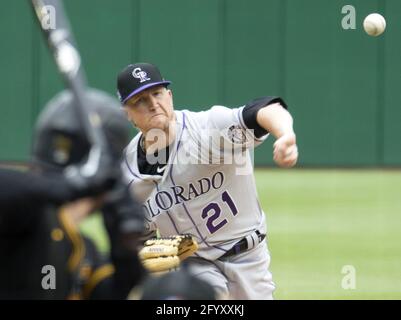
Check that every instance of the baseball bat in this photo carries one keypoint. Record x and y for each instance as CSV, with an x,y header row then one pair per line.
x,y
63,47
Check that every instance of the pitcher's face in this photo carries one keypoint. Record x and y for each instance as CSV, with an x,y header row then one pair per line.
x,y
151,109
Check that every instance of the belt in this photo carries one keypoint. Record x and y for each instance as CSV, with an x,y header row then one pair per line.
x,y
245,244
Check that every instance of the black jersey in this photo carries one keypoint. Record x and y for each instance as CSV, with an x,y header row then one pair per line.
x,y
37,238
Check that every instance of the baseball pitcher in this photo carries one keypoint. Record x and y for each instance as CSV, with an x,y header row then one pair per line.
x,y
192,171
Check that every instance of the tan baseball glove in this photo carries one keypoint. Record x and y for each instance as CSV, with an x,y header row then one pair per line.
x,y
163,254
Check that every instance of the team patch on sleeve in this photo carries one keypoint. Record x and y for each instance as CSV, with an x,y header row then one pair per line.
x,y
237,134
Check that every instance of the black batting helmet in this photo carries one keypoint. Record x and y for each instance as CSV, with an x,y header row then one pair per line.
x,y
59,138
178,285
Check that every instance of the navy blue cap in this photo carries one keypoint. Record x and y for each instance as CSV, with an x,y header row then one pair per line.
x,y
137,77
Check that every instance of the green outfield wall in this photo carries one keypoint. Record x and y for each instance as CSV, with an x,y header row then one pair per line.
x,y
342,86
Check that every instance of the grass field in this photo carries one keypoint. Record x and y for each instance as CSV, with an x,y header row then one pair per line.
x,y
322,220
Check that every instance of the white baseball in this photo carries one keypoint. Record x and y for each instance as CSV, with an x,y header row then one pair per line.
x,y
374,24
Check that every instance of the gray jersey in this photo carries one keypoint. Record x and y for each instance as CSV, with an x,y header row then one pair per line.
x,y
201,191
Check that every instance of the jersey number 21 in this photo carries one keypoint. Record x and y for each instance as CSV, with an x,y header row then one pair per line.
x,y
212,212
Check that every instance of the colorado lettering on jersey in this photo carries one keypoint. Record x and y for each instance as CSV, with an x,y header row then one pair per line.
x,y
166,199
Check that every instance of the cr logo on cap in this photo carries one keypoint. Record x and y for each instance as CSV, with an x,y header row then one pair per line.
x,y
141,75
